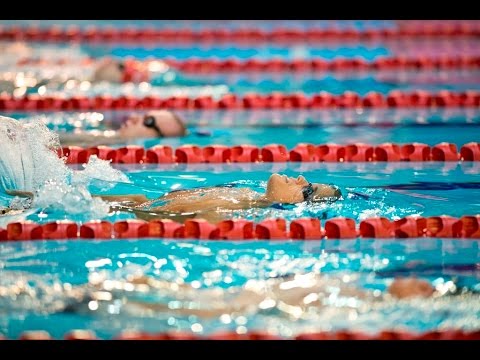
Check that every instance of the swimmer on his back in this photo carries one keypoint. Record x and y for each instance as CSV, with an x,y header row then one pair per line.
x,y
293,294
153,124
214,203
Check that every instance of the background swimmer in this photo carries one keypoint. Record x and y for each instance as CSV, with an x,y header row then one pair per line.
x,y
291,295
154,124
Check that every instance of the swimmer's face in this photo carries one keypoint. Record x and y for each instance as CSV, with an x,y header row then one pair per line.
x,y
410,287
284,189
167,124
110,71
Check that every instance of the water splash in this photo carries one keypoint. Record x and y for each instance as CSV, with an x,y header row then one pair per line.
x,y
29,162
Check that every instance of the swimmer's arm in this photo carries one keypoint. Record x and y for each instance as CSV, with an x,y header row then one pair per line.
x,y
87,139
136,199
157,214
20,193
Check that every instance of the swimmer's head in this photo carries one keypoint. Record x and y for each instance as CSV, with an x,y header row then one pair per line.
x,y
410,287
284,189
109,70
154,124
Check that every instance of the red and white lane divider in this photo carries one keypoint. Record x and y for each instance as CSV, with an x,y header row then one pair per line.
x,y
260,335
323,100
132,34
303,229
304,152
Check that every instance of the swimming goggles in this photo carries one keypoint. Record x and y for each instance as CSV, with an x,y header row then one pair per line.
x,y
308,192
150,122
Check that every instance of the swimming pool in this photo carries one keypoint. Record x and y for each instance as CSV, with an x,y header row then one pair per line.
x,y
39,279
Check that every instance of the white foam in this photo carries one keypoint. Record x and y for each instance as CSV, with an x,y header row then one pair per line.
x,y
29,162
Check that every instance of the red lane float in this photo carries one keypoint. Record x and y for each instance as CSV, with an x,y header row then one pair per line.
x,y
340,228
468,226
80,335
445,152
26,230
234,230
379,227
131,228
351,100
302,152
274,229
165,228
408,227
60,230
159,154
387,152
279,34
439,226
216,154
198,229
449,334
356,152
359,152
140,74
331,153
470,152
274,153
245,153
131,154
35,335
306,229
415,152
189,154
96,229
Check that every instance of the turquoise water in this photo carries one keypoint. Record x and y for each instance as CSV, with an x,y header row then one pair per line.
x,y
311,83
219,264
258,52
291,136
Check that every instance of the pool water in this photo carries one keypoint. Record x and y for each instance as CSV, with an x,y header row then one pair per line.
x,y
368,264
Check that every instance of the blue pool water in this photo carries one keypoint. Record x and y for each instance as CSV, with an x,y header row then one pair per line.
x,y
362,84
182,53
372,264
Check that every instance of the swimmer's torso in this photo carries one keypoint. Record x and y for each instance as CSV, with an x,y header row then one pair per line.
x,y
212,198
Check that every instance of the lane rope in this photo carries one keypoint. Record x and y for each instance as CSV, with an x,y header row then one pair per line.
x,y
301,229
303,152
322,100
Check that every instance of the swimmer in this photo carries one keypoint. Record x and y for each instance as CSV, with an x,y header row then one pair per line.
x,y
292,295
214,203
153,124
27,147
36,69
